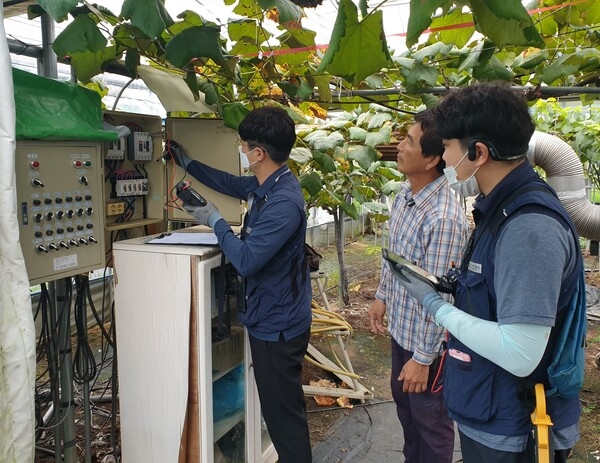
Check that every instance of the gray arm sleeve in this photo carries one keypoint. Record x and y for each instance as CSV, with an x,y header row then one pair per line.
x,y
518,348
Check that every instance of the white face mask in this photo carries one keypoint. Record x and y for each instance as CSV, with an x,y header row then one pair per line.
x,y
244,162
468,187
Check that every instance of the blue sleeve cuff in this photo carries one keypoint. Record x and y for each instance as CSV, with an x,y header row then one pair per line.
x,y
213,219
432,303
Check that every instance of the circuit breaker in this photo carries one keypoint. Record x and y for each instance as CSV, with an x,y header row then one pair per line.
x,y
60,207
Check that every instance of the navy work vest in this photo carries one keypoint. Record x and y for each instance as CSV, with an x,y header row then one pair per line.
x,y
479,393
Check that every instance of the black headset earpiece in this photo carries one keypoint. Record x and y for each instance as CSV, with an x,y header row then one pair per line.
x,y
471,153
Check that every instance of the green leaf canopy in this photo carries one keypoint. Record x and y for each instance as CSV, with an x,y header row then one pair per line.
x,y
356,49
150,16
195,42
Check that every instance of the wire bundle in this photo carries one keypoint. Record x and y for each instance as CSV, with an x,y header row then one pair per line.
x,y
55,404
328,322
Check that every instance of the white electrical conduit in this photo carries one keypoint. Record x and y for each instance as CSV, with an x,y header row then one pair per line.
x,y
17,330
564,173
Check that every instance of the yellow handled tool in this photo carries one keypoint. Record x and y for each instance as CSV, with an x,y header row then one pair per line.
x,y
542,423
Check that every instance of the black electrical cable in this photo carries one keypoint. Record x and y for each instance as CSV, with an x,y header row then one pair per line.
x,y
95,312
48,402
84,363
42,400
47,316
50,342
107,347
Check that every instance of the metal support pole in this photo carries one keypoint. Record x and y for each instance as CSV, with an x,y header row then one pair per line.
x,y
67,414
48,67
53,371
87,422
87,414
342,239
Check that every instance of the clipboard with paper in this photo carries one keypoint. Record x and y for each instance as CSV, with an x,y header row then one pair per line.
x,y
196,238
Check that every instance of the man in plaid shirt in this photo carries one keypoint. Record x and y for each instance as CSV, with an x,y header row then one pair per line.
x,y
429,228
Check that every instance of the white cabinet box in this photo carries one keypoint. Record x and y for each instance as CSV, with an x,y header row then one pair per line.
x,y
174,377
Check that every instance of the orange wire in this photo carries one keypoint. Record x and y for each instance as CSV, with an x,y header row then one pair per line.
x,y
172,201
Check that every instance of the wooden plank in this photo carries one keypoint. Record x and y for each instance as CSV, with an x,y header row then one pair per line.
x,y
337,392
360,393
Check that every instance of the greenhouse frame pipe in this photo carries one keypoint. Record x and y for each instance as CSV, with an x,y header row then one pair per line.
x,y
35,51
17,47
546,91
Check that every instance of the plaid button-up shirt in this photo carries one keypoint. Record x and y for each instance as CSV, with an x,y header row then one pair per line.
x,y
429,229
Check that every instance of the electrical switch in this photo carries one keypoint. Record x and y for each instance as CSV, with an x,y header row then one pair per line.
x,y
41,248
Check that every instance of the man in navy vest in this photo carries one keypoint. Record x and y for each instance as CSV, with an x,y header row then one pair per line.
x,y
520,268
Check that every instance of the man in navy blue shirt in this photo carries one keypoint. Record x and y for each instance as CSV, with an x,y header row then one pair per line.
x,y
269,255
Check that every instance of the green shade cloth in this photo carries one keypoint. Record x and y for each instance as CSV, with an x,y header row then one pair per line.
x,y
49,109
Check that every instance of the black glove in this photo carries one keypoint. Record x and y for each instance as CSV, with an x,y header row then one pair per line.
x,y
174,151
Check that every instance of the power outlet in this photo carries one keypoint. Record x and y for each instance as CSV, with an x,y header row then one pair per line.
x,y
115,208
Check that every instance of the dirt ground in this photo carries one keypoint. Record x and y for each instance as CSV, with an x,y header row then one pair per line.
x,y
369,353
370,358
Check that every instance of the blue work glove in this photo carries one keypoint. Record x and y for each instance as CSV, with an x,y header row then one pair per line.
x,y
204,215
174,151
420,288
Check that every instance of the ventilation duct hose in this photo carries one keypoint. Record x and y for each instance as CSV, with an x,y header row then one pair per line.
x,y
564,173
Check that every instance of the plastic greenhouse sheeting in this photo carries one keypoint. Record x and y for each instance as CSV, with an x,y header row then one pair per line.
x,y
49,109
17,328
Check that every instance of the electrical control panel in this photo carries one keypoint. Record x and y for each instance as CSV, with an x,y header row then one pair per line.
x,y
210,142
60,207
134,185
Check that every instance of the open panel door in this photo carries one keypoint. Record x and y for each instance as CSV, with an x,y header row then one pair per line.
x,y
210,142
